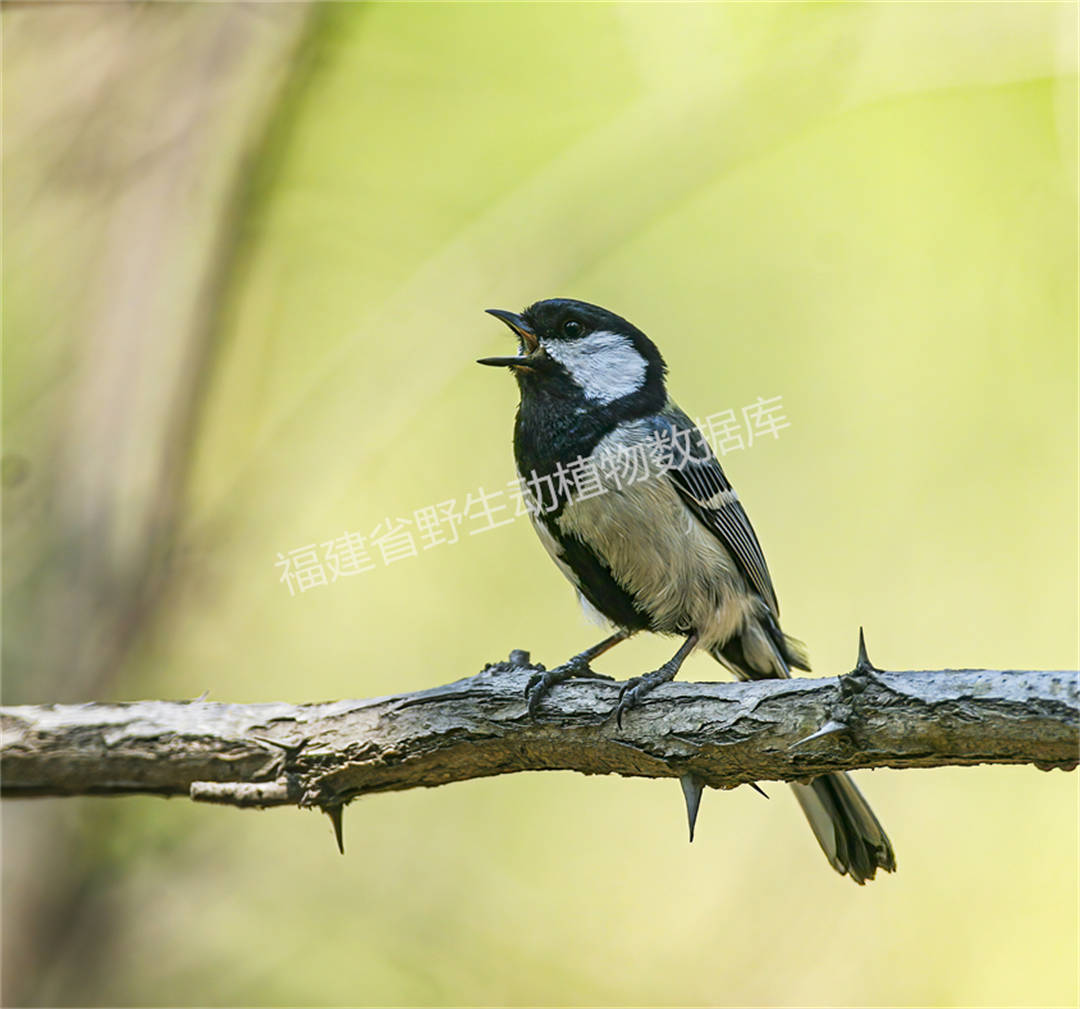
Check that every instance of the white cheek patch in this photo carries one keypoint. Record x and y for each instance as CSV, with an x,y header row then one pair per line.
x,y
605,365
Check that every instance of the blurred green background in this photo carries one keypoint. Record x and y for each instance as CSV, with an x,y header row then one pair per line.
x,y
247,249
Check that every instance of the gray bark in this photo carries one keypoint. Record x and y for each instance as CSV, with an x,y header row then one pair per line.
x,y
726,734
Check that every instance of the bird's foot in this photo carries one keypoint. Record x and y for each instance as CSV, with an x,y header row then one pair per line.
x,y
633,690
542,681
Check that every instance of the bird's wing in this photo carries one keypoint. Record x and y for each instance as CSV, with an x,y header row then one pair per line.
x,y
701,483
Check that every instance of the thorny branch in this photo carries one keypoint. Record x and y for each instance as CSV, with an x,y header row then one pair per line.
x,y
724,734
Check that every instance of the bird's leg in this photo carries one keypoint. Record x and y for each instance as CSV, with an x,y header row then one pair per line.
x,y
635,689
540,683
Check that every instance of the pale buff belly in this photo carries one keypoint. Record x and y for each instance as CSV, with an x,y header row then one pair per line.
x,y
676,570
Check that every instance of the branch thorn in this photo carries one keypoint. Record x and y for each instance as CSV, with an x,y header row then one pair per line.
x,y
692,787
831,726
334,812
863,663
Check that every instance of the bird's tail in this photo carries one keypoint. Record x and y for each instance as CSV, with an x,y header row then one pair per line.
x,y
843,822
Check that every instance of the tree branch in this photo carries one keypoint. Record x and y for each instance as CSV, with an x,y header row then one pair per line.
x,y
725,734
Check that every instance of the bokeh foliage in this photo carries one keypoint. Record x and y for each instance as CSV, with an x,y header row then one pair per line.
x,y
869,210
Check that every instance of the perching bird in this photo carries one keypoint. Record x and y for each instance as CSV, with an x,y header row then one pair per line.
x,y
632,505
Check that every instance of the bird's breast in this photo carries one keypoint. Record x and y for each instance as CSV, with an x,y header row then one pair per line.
x,y
630,515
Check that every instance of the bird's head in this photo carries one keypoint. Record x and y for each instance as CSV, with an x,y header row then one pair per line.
x,y
590,357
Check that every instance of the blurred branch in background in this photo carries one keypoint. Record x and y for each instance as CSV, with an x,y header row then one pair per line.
x,y
127,174
151,159
725,734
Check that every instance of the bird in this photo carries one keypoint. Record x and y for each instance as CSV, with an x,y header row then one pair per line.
x,y
633,507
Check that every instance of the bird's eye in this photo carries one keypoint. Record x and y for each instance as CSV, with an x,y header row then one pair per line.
x,y
572,328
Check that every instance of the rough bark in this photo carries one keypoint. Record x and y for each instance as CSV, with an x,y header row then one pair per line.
x,y
725,734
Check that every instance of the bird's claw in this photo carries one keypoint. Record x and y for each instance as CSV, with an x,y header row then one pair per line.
x,y
628,697
533,681
634,689
541,682
590,674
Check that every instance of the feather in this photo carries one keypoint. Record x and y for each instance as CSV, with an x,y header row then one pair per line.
x,y
701,483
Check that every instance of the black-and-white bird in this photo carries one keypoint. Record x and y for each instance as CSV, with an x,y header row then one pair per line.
x,y
633,507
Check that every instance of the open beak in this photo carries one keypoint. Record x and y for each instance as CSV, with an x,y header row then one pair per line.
x,y
530,345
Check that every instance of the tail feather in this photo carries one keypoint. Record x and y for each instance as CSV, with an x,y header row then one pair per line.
x,y
853,840
843,822
761,651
